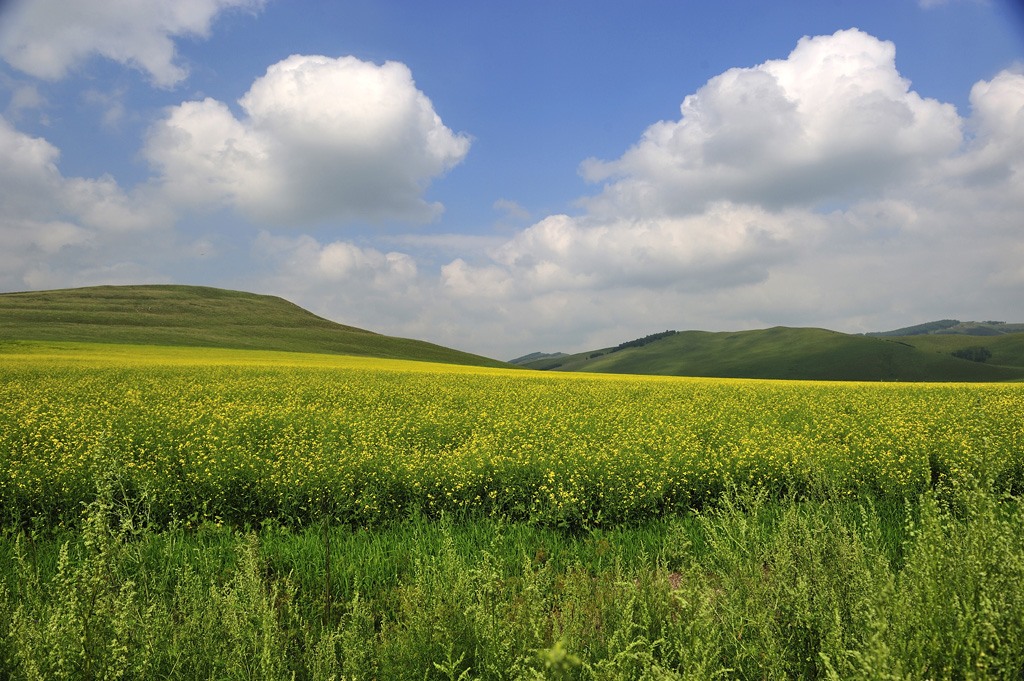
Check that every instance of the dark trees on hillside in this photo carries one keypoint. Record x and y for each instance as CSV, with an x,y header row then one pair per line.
x,y
975,353
640,342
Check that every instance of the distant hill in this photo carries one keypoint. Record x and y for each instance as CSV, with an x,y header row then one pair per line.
x,y
1006,349
792,353
200,316
953,327
536,356
917,329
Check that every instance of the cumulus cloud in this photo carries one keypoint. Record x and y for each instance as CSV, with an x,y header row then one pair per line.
x,y
29,170
727,245
995,156
336,262
832,121
320,138
47,38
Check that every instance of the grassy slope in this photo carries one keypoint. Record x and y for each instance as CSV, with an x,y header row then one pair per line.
x,y
787,353
952,326
1007,350
199,316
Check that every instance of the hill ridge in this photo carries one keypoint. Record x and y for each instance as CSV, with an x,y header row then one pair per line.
x,y
782,352
953,326
176,314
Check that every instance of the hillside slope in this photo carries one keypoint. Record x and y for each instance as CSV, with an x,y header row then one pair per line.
x,y
953,327
786,353
1007,349
200,316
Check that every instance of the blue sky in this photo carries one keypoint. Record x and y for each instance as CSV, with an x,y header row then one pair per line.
x,y
505,178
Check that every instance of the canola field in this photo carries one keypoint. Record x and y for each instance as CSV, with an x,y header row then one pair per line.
x,y
192,435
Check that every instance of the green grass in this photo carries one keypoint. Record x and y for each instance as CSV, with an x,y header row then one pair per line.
x,y
200,316
754,588
811,354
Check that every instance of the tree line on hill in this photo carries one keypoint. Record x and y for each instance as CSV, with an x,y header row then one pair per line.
x,y
975,353
640,342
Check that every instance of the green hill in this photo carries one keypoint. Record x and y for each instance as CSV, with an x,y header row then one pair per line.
x,y
953,327
536,357
200,316
787,353
1007,349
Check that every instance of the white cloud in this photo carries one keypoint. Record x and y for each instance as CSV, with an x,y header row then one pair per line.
x,y
47,38
339,261
728,243
28,174
54,227
25,97
32,187
352,284
485,284
321,138
996,153
204,155
103,205
833,121
997,106
511,209
111,105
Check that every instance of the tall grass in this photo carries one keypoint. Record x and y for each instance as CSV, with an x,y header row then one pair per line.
x,y
753,588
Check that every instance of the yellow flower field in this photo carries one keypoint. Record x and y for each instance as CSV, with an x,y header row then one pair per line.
x,y
191,434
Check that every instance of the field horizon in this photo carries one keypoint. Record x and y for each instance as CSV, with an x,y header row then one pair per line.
x,y
197,316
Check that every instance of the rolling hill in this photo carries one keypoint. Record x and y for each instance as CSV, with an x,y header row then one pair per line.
x,y
954,327
1004,342
793,353
200,316
1007,349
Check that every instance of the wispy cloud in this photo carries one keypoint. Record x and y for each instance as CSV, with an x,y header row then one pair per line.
x,y
49,38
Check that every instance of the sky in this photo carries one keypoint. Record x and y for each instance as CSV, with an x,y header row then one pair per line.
x,y
505,178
